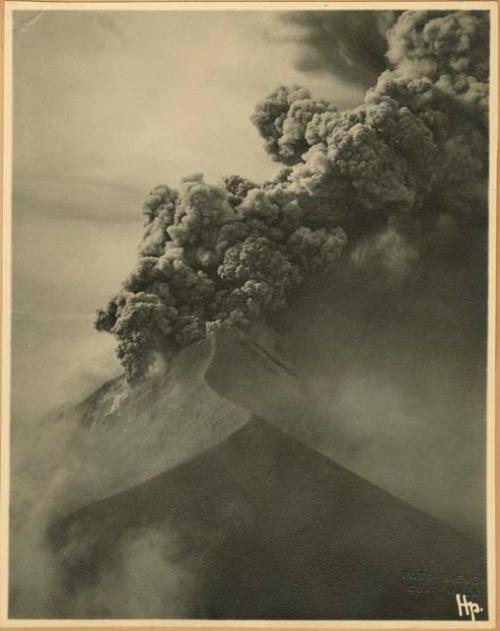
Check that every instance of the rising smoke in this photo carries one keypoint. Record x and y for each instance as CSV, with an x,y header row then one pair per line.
x,y
348,44
398,182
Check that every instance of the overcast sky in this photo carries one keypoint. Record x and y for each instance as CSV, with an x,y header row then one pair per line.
x,y
132,99
108,105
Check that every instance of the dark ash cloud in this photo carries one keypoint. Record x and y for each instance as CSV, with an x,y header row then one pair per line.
x,y
349,44
395,184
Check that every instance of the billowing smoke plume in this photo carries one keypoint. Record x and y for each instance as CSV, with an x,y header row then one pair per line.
x,y
451,49
395,184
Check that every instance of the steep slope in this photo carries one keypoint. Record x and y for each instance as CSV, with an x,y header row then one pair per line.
x,y
175,505
267,528
118,437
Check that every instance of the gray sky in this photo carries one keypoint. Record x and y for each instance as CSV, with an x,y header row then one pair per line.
x,y
106,106
132,99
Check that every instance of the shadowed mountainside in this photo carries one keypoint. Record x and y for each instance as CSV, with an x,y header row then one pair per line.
x,y
183,502
267,528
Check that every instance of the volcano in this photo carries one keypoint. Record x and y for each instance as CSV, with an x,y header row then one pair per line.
x,y
278,531
262,526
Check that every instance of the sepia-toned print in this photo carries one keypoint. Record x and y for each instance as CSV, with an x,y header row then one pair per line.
x,y
248,297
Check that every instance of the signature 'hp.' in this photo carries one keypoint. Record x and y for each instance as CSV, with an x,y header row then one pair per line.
x,y
467,608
